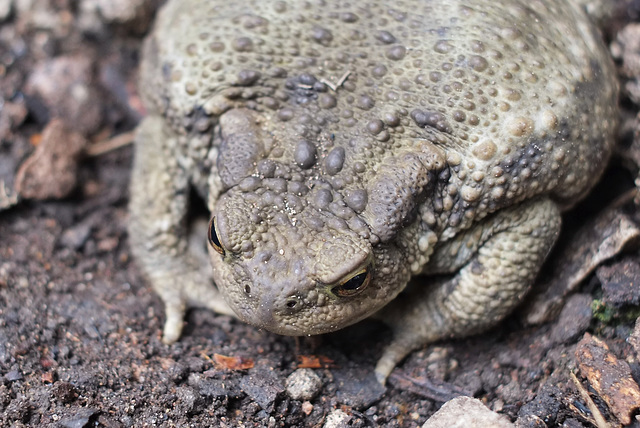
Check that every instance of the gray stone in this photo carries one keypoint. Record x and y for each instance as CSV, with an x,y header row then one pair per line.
x,y
263,386
337,419
303,384
466,412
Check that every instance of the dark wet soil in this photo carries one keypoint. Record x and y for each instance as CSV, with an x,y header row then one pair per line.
x,y
80,328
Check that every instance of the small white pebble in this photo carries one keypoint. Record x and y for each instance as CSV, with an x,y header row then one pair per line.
x,y
303,384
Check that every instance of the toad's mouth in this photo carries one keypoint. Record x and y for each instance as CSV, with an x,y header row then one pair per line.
x,y
310,321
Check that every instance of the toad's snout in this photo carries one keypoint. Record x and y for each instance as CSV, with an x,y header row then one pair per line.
x,y
268,308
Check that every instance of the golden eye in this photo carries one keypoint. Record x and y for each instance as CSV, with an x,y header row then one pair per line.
x,y
353,285
213,237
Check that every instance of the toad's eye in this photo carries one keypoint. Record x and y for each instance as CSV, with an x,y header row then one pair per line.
x,y
353,285
213,237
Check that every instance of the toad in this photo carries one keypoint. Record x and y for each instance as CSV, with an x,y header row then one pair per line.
x,y
346,148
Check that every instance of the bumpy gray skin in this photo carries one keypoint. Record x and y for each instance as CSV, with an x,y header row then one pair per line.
x,y
334,139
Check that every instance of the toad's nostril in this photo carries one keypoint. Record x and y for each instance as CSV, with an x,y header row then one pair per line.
x,y
292,303
247,290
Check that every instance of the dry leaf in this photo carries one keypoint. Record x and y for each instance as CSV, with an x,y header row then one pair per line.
x,y
50,172
233,363
314,362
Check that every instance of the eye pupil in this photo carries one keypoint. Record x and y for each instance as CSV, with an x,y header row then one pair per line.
x,y
353,285
355,282
213,237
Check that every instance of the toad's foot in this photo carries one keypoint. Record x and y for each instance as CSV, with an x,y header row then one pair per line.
x,y
190,290
498,260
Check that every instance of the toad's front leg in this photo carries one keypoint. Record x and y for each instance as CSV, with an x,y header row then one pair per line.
x,y
496,261
158,230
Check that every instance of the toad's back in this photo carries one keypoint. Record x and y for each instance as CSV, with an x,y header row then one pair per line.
x,y
511,95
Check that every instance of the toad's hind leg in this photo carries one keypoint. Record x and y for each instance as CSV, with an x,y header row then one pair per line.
x,y
158,230
496,262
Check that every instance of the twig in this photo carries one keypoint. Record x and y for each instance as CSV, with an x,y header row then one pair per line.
x,y
106,146
434,390
597,416
343,79
339,83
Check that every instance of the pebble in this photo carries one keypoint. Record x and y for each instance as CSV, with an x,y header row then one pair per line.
x,y
463,412
75,237
303,384
619,284
262,386
357,390
65,392
189,400
215,388
80,419
574,319
66,85
13,376
337,419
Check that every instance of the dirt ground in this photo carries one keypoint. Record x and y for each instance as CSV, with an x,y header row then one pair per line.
x,y
80,328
